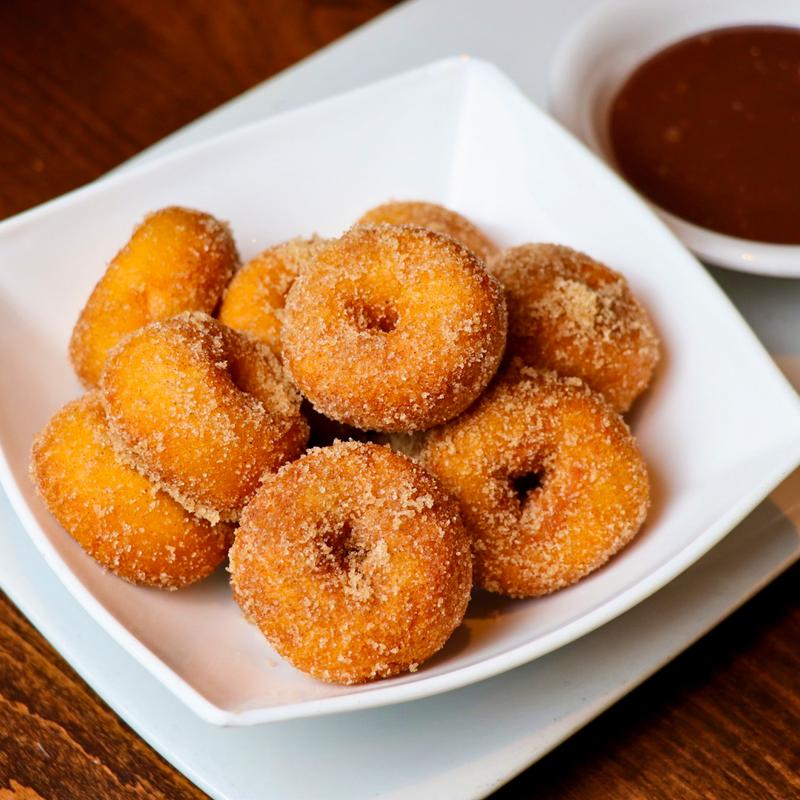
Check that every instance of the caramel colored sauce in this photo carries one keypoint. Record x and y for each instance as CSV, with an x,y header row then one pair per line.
x,y
709,129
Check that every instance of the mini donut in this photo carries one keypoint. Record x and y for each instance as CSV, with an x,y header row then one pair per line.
x,y
572,314
254,299
434,218
176,260
393,329
127,524
202,410
550,481
353,562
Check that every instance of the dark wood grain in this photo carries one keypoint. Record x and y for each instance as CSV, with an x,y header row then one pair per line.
x,y
58,739
85,84
721,721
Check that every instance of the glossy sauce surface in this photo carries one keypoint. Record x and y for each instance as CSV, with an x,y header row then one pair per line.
x,y
709,129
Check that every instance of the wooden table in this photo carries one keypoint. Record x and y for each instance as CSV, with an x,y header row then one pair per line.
x,y
84,85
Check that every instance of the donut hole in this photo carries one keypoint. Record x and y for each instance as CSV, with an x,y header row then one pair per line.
x,y
340,548
372,317
524,484
239,373
242,364
351,559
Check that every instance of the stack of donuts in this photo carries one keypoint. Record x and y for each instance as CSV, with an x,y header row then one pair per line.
x,y
367,426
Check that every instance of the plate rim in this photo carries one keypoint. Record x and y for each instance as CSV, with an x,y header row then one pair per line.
x,y
786,459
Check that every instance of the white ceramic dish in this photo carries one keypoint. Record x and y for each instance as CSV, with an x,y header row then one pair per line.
x,y
719,429
607,44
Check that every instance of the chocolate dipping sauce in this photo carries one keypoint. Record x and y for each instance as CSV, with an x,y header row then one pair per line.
x,y
709,129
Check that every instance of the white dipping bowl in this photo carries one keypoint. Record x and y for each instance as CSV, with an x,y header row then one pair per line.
x,y
604,48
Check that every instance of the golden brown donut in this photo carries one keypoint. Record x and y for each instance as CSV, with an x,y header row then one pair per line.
x,y
254,300
550,481
353,562
393,329
117,516
202,410
176,260
572,314
435,218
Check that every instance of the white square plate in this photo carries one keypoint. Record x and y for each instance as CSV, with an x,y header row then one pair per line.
x,y
719,428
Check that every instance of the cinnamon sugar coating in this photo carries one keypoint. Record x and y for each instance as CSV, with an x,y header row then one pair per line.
x,y
435,218
118,517
255,298
202,410
354,563
550,480
176,260
393,328
572,314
